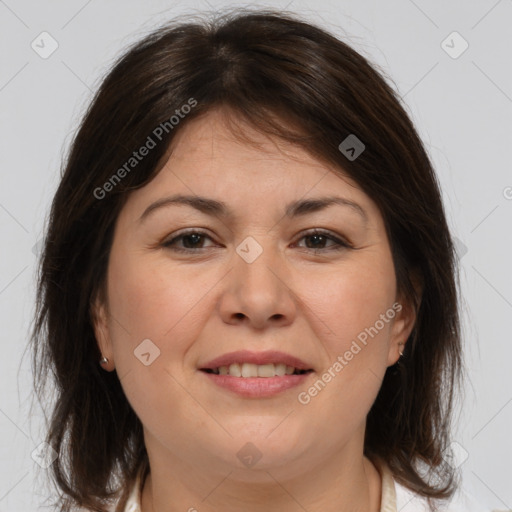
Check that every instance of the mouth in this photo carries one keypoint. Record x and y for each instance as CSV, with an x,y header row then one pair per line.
x,y
244,363
264,371
256,374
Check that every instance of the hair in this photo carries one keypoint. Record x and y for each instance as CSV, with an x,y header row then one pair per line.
x,y
288,79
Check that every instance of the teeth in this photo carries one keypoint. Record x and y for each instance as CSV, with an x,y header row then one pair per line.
x,y
254,370
280,369
265,370
235,370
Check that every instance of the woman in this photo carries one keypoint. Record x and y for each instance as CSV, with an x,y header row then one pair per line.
x,y
248,292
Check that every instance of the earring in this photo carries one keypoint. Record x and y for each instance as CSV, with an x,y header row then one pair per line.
x,y
103,360
401,353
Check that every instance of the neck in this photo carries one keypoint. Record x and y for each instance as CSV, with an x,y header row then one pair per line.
x,y
340,484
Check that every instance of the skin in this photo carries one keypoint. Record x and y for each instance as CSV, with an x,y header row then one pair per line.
x,y
196,306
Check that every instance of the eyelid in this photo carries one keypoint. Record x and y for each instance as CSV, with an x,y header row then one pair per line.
x,y
340,242
338,239
188,231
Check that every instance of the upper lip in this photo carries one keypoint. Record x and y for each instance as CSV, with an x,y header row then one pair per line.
x,y
266,357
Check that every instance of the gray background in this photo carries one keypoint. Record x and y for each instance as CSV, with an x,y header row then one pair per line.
x,y
461,106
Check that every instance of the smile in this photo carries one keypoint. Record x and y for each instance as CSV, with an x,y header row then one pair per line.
x,y
246,370
256,381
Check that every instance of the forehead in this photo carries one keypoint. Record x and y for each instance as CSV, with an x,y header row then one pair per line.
x,y
226,148
234,163
218,135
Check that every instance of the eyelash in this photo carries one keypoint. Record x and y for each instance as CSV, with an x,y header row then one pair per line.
x,y
340,244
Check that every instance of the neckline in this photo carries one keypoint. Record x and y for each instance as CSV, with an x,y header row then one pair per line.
x,y
387,503
388,490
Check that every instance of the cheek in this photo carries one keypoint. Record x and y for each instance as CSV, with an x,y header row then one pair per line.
x,y
350,300
350,303
151,301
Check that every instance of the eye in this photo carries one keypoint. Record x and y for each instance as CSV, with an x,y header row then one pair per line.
x,y
192,238
319,237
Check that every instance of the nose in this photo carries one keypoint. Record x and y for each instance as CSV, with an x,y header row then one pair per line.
x,y
258,292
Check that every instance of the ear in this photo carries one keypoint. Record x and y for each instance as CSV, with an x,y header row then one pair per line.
x,y
404,321
99,320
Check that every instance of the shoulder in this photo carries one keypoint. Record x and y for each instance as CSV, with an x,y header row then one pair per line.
x,y
397,497
132,501
408,501
111,508
131,504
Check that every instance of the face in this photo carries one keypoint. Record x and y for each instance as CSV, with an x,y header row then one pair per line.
x,y
185,287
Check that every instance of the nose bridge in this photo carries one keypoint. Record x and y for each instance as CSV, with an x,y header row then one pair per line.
x,y
258,281
258,265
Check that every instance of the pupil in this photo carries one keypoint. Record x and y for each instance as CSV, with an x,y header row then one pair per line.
x,y
317,238
195,236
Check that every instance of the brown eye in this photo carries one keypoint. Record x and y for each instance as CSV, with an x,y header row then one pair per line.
x,y
319,238
189,239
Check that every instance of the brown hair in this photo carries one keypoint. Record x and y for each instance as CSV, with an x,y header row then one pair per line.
x,y
287,78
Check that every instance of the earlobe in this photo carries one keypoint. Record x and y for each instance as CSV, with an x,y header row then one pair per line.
x,y
99,322
402,327
405,320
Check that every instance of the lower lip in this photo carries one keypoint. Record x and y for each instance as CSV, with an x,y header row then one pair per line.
x,y
257,387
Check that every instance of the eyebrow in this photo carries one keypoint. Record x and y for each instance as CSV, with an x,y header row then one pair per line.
x,y
220,209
